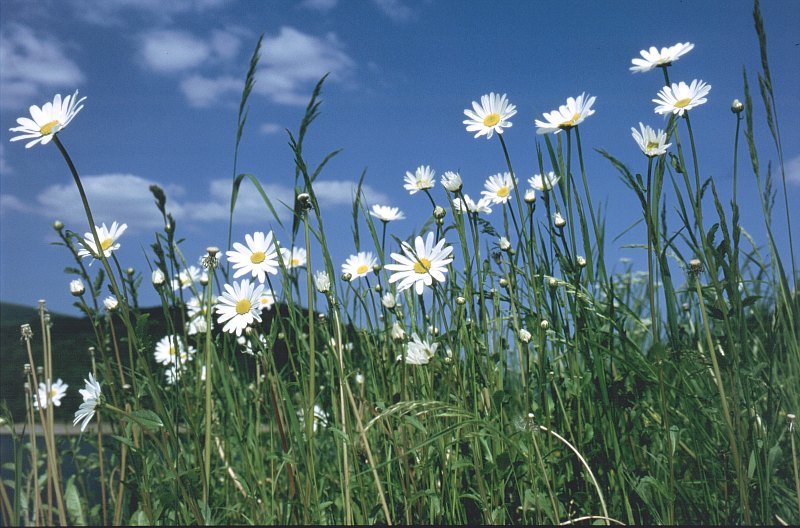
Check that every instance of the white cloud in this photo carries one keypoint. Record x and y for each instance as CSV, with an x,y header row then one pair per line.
x,y
127,198
203,91
118,12
270,128
173,50
394,9
293,61
31,62
793,170
319,5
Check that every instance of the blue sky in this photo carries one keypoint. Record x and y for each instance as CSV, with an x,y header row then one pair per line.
x,y
163,81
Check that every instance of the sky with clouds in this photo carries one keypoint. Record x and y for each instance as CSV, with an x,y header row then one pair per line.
x,y
163,80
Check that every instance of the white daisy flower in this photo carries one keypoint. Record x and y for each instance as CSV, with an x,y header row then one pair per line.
x,y
390,300
47,121
110,303
294,258
681,97
452,181
567,116
239,306
423,178
187,278
398,332
384,213
170,350
468,205
544,182
258,258
498,188
320,417
267,300
418,352
322,282
654,58
651,142
359,265
420,264
490,116
91,398
108,240
57,391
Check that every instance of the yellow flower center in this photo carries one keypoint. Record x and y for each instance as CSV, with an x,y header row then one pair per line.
x,y
422,265
652,145
683,102
172,351
295,261
503,191
491,120
47,129
571,122
257,257
362,269
105,244
243,306
422,184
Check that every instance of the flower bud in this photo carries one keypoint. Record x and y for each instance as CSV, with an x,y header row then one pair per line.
x,y
111,303
524,335
505,244
130,272
304,201
559,221
737,106
158,278
695,266
544,325
461,301
398,334
530,196
581,261
347,276
504,282
58,225
76,287
552,282
322,282
439,212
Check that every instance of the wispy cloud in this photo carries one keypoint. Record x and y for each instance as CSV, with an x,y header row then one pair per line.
x,y
293,61
32,61
203,91
173,50
793,170
270,128
394,9
111,13
127,198
319,5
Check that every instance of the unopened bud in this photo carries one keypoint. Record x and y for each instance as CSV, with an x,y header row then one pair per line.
x,y
158,278
58,225
544,325
559,221
461,301
76,287
524,335
581,261
439,212
505,244
530,196
737,106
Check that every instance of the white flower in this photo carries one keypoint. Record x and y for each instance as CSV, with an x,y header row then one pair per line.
x,y
91,397
505,244
418,352
359,265
498,188
653,58
360,378
530,196
384,213
559,220
490,116
295,258
267,300
452,181
196,311
247,344
420,264
108,240
57,391
567,116
681,97
398,332
258,258
111,303
76,287
322,282
390,300
544,182
186,278
651,142
422,179
239,306
319,416
158,279
524,335
51,118
468,205
170,350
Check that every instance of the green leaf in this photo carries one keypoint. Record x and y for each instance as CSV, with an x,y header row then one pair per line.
x,y
139,519
147,419
73,503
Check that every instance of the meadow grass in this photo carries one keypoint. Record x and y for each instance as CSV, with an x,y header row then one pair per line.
x,y
532,385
